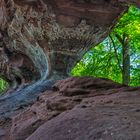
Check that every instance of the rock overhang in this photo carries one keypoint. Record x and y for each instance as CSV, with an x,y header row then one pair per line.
x,y
55,34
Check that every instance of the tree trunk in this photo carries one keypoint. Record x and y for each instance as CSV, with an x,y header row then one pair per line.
x,y
126,61
126,58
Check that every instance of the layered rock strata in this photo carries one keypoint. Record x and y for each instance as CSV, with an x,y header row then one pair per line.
x,y
78,109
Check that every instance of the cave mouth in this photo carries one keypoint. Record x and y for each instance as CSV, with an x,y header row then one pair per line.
x,y
102,62
117,57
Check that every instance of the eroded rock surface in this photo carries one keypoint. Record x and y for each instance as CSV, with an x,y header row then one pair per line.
x,y
78,109
40,42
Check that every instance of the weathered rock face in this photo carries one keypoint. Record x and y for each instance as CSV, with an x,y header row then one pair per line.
x,y
78,109
41,41
51,36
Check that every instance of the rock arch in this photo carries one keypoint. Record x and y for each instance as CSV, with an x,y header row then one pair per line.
x,y
54,35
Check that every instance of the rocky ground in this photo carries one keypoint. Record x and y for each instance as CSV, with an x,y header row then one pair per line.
x,y
78,109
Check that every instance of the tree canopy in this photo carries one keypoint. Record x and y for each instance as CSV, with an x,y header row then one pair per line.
x,y
108,60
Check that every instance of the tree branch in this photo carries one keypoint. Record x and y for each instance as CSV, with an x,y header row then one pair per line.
x,y
115,50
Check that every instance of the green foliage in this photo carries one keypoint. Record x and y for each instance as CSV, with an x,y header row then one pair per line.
x,y
99,62
3,85
105,60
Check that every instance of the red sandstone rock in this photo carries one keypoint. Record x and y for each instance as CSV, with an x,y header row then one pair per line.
x,y
78,109
51,36
42,40
109,117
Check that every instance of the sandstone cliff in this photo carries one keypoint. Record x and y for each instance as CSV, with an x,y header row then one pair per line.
x,y
40,42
